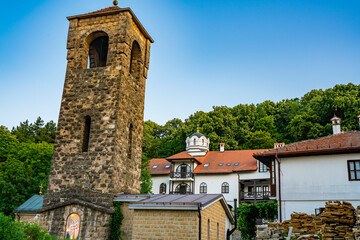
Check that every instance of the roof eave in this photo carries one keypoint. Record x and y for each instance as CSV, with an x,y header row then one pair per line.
x,y
97,14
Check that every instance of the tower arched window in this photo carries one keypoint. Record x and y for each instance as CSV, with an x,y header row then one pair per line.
x,y
86,134
225,187
96,50
203,188
135,60
162,188
195,141
203,142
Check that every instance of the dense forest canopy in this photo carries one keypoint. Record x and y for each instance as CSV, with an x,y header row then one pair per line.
x,y
259,126
26,150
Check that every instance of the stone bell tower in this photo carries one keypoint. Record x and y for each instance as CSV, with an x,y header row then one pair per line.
x,y
97,151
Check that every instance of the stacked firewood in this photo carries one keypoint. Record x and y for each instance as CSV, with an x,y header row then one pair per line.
x,y
356,230
303,223
338,219
336,222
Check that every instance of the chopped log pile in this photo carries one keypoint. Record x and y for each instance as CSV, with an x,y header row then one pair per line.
x,y
338,221
357,229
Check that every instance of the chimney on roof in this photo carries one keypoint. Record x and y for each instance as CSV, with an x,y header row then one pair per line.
x,y
278,145
222,147
358,116
336,124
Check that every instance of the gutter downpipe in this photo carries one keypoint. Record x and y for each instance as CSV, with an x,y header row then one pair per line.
x,y
199,210
279,188
229,232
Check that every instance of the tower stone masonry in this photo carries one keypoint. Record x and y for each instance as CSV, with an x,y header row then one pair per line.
x,y
97,151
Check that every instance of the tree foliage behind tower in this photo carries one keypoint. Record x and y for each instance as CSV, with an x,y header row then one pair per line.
x,y
259,126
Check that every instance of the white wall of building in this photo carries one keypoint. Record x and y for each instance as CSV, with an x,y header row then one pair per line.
x,y
308,182
157,180
254,175
214,182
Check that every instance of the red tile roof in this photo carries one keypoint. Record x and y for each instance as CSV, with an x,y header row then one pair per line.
x,y
108,9
161,162
183,155
345,142
244,157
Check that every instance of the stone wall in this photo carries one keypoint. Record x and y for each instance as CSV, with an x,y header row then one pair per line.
x,y
94,224
216,214
114,100
127,223
26,217
164,224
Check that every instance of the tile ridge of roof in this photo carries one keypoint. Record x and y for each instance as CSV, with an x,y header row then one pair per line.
x,y
315,139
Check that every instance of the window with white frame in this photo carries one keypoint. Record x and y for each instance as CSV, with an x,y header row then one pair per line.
x,y
225,187
203,188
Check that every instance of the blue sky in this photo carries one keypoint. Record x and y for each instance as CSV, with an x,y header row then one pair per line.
x,y
206,53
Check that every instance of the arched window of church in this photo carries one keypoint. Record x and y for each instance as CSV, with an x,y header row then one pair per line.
x,y
130,140
98,49
225,187
135,60
195,141
162,188
203,142
183,188
86,134
203,188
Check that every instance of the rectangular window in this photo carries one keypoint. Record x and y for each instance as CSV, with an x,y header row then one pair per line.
x,y
258,189
262,167
354,170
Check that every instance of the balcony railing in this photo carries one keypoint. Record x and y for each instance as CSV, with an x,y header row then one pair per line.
x,y
255,195
181,175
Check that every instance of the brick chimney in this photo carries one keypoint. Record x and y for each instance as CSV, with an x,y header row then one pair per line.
x,y
222,147
336,124
278,145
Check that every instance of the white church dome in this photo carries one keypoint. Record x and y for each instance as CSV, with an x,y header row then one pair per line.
x,y
197,144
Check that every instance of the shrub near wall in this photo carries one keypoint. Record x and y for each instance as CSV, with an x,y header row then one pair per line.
x,y
14,230
249,213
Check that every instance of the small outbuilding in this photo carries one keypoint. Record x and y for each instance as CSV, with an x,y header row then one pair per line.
x,y
190,216
28,210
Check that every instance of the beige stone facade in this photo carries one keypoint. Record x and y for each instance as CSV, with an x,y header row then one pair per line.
x,y
213,216
97,151
26,217
127,223
164,224
175,221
